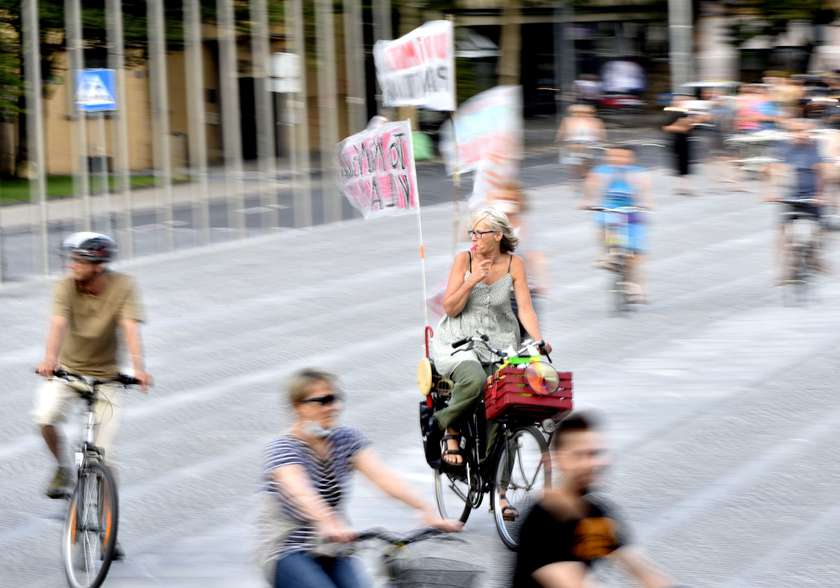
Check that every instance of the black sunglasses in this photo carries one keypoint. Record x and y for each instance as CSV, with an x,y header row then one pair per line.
x,y
325,400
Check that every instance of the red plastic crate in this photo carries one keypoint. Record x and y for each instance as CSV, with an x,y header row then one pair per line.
x,y
508,394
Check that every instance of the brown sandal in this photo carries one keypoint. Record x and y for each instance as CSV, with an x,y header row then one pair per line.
x,y
446,450
509,513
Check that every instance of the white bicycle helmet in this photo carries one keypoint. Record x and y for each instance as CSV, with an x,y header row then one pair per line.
x,y
93,247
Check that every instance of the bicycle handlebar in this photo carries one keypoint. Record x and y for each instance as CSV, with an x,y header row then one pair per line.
x,y
484,339
620,209
797,201
123,379
465,340
398,539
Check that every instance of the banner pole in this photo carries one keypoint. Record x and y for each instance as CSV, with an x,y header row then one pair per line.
x,y
423,264
422,247
456,183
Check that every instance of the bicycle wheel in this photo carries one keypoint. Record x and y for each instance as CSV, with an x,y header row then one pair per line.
x,y
523,472
454,492
803,271
619,290
90,530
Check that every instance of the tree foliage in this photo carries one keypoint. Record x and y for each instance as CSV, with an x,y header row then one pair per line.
x,y
752,18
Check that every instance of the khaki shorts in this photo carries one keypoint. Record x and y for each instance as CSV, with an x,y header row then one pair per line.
x,y
54,397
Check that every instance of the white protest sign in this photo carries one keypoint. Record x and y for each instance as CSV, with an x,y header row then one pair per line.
x,y
418,69
376,169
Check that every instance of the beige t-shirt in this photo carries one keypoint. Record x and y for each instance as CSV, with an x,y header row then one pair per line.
x,y
90,344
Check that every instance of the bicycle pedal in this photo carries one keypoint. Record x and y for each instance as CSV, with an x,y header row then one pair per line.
x,y
60,494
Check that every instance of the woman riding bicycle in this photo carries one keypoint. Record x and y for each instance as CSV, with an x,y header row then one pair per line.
x,y
478,299
307,476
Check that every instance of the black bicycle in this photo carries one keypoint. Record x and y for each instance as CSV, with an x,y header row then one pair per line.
x,y
90,528
526,397
619,255
396,568
802,229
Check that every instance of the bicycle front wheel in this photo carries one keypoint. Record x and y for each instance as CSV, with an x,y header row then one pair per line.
x,y
618,289
90,530
523,472
454,492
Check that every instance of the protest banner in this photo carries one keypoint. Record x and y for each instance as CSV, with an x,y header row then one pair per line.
x,y
376,169
378,177
418,69
487,126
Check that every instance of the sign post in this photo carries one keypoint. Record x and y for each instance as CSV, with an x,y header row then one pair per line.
x,y
96,94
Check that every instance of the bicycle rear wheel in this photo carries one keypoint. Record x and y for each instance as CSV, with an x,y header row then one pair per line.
x,y
803,271
90,530
523,472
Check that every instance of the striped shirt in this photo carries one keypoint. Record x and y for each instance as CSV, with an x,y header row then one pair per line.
x,y
330,477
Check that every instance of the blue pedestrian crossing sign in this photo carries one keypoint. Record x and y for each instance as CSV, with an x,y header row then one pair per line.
x,y
95,90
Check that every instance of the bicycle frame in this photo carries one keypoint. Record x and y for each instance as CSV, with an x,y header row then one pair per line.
x,y
617,231
475,427
801,240
482,469
617,244
88,448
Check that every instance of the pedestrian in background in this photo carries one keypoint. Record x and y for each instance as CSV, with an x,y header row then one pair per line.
x,y
679,125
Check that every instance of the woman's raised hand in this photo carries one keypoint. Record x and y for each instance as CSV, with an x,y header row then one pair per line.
x,y
482,270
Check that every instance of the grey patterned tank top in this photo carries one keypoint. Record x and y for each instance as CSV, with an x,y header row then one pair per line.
x,y
488,310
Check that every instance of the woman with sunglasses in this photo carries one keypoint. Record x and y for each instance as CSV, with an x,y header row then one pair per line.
x,y
306,478
478,299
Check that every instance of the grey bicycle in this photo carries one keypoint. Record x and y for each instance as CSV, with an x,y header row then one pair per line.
x,y
90,528
619,255
802,238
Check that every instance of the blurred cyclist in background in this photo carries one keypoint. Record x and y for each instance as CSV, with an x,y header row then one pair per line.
x,y
578,134
799,160
619,182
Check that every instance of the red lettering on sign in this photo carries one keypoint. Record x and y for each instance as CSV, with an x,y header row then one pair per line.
x,y
441,46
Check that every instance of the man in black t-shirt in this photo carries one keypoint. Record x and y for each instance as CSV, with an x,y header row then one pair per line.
x,y
569,530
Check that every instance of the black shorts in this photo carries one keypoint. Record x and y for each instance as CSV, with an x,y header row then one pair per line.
x,y
794,212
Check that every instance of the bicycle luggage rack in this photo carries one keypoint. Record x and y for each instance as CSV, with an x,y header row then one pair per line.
x,y
508,394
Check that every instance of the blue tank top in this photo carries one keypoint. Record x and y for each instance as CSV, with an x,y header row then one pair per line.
x,y
619,191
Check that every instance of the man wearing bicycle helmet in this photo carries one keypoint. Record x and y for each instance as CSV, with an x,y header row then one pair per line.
x,y
90,305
